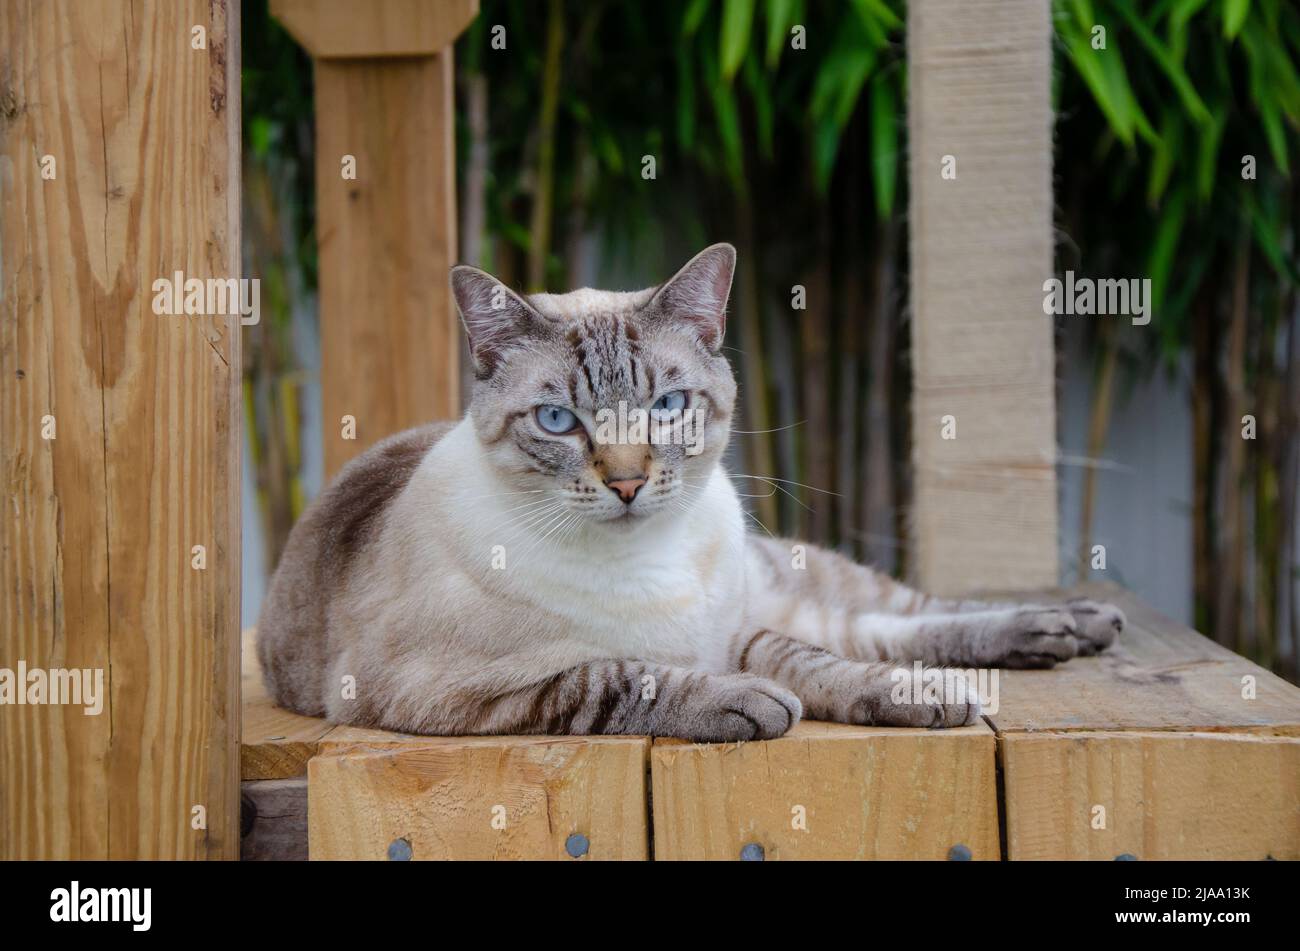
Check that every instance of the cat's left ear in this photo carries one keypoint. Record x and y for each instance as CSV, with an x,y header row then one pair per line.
x,y
698,293
495,317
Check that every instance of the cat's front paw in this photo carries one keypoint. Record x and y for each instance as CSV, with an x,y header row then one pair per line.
x,y
744,707
932,697
1033,638
1097,624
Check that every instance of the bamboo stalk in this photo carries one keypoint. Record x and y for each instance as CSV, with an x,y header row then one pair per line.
x,y
754,390
880,548
539,248
1204,475
1232,538
1098,425
820,439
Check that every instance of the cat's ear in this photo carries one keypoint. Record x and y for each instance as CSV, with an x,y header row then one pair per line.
x,y
495,317
698,293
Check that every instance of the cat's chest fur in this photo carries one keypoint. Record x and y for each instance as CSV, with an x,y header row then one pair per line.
x,y
669,589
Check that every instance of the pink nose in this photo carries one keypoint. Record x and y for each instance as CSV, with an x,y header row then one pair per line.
x,y
626,488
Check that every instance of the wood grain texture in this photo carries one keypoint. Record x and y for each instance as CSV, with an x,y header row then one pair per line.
x,y
441,795
1161,675
1165,795
389,330
335,28
984,510
99,522
273,821
1157,731
866,792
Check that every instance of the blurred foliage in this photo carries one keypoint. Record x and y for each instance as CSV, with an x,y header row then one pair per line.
x,y
710,88
1177,144
279,248
1184,91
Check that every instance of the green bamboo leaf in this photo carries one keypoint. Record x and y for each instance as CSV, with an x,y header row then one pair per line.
x,y
1268,236
780,17
1080,14
1272,73
694,16
728,120
1112,66
1234,15
1183,11
1172,69
884,144
1271,119
879,12
1164,246
825,145
737,21
1173,313
1207,153
841,75
1163,155
1094,76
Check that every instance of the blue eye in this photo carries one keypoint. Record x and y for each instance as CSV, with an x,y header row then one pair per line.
x,y
671,402
556,419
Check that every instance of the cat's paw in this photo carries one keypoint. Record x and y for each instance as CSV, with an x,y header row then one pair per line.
x,y
936,699
1097,624
1033,638
744,707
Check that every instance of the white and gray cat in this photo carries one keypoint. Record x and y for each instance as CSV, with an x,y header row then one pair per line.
x,y
523,571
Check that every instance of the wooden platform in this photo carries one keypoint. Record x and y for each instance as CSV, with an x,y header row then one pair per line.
x,y
1151,750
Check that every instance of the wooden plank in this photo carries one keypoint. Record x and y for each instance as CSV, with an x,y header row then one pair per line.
x,y
984,510
273,821
479,798
99,522
1160,732
389,331
864,793
336,28
1163,795
276,744
1161,675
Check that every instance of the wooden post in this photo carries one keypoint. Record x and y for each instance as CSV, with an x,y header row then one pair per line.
x,y
119,428
984,428
384,110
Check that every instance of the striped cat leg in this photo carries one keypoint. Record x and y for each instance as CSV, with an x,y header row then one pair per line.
x,y
1018,636
638,698
848,691
1097,623
796,586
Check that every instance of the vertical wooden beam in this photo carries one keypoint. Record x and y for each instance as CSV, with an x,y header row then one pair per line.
x,y
119,428
384,96
984,512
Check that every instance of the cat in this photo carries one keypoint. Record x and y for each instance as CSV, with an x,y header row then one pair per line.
x,y
525,571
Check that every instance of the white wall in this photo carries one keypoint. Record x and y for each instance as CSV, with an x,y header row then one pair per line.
x,y
1142,512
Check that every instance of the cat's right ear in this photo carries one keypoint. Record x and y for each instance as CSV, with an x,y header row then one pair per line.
x,y
495,317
